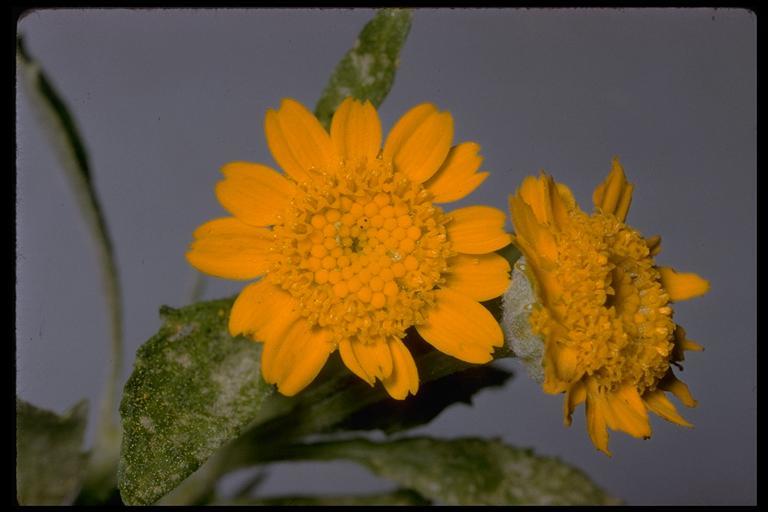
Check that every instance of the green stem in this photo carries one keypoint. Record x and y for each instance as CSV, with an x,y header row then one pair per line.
x,y
61,129
198,288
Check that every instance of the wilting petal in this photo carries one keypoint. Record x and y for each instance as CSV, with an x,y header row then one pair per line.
x,y
574,396
660,404
614,195
596,422
625,411
678,388
682,286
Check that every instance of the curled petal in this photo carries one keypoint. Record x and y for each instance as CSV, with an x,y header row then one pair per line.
x,y
404,378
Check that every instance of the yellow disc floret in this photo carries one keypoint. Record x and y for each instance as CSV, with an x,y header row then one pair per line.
x,y
613,307
362,251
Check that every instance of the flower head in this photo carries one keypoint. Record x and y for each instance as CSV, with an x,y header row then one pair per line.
x,y
352,249
603,306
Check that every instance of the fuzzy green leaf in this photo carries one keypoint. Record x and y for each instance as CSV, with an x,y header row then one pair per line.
x,y
367,71
466,471
193,367
49,463
193,389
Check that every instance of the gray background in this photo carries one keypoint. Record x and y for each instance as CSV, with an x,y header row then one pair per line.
x,y
164,98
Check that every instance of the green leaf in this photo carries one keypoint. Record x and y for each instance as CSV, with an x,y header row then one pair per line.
x,y
63,134
169,430
193,389
397,497
49,463
367,71
466,471
392,416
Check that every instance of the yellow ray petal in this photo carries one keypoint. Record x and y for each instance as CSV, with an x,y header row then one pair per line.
x,y
477,230
682,286
678,388
404,377
349,359
356,131
660,404
566,196
298,142
405,127
614,195
596,422
263,311
561,203
425,150
254,193
575,395
535,192
458,175
527,226
480,277
229,249
625,411
654,245
462,328
293,360
374,357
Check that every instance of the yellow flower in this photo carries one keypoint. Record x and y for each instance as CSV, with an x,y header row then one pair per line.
x,y
602,306
352,248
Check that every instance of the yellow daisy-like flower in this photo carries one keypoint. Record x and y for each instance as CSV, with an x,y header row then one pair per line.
x,y
602,306
353,249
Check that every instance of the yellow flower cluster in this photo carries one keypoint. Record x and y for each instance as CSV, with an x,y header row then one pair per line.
x,y
603,306
351,249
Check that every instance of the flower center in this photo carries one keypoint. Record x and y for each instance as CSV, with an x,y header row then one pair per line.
x,y
613,311
361,252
